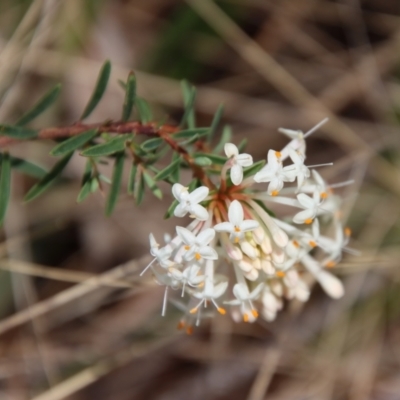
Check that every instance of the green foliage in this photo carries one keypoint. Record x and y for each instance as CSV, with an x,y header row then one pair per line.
x,y
225,138
115,183
5,185
215,122
189,97
112,146
143,108
168,170
26,167
99,89
42,105
130,94
73,143
17,132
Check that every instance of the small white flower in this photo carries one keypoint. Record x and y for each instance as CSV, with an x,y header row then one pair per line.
x,y
189,202
161,255
311,208
273,173
244,299
297,170
197,246
237,225
237,161
189,276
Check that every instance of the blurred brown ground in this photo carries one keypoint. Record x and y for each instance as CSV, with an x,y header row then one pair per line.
x,y
272,63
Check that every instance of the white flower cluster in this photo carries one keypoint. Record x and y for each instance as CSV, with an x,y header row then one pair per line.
x,y
235,243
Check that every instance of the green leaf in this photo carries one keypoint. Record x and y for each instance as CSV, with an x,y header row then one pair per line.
x,y
216,120
189,98
188,133
132,178
151,144
115,145
151,183
169,170
84,192
5,185
43,104
48,179
94,184
171,209
225,138
73,143
17,132
130,94
115,183
253,169
139,188
144,110
242,145
99,90
27,167
215,158
177,172
202,161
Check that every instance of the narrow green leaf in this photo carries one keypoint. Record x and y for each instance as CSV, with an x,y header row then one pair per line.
x,y
115,183
17,132
150,182
216,120
114,145
168,170
130,94
144,110
171,209
225,138
189,97
94,184
45,102
132,178
188,133
27,167
151,144
175,175
84,192
99,90
215,158
48,179
5,185
73,143
202,161
242,145
139,188
253,169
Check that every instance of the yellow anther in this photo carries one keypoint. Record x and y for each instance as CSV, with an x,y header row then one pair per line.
x,y
197,256
187,247
181,325
296,243
189,330
237,229
193,310
347,231
255,313
275,193
330,264
278,154
221,310
323,195
200,285
308,221
312,243
280,274
245,317
236,240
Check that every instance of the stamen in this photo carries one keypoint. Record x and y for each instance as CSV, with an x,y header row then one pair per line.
x,y
189,330
221,310
296,243
164,308
245,317
197,256
347,231
278,154
308,221
320,165
312,130
312,243
181,325
236,240
330,264
275,193
148,266
323,195
194,310
255,313
237,229
280,274
187,247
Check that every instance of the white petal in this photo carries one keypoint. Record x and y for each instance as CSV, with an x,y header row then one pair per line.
x,y
331,284
235,213
208,253
267,267
245,266
256,292
276,184
244,160
302,216
269,301
231,150
302,291
199,194
178,190
241,291
252,275
219,289
318,178
199,212
175,273
272,158
295,157
180,210
224,227
187,237
305,201
248,225
236,174
258,235
248,249
205,237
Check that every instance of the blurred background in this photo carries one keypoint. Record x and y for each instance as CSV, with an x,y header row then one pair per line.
x,y
76,322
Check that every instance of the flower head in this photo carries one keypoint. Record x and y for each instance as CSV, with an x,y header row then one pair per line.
x,y
237,162
189,202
